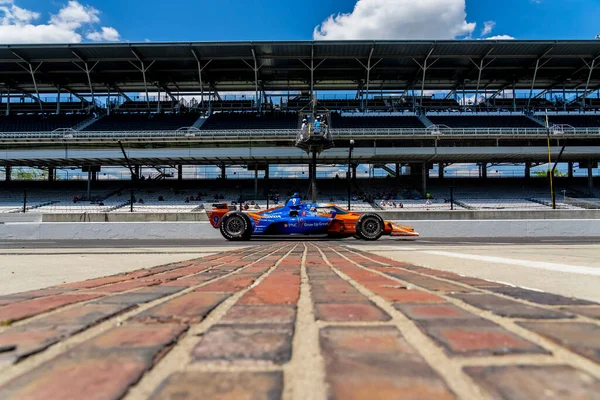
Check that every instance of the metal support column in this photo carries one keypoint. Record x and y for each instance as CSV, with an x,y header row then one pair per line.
x,y
255,68
255,182
587,83
58,100
484,170
441,170
527,170
570,173
8,100
200,69
143,69
108,101
312,69
537,68
368,67
8,173
32,72
223,172
424,173
480,67
89,184
424,67
590,179
51,174
180,172
398,171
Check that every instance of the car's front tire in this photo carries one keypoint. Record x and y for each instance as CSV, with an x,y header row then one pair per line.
x,y
370,226
236,225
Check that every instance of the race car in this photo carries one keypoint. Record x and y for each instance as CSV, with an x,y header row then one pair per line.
x,y
300,218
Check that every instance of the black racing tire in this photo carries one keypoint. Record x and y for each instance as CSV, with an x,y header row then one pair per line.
x,y
236,226
370,226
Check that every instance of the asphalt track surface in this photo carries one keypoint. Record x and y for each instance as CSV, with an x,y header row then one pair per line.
x,y
66,244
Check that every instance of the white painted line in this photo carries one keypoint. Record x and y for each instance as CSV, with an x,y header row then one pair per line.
x,y
572,269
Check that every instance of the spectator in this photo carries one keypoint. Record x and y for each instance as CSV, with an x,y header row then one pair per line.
x,y
161,198
187,199
140,201
75,199
401,205
256,206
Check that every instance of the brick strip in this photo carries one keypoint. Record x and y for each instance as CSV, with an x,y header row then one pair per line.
x,y
221,385
101,368
377,363
509,308
335,299
535,382
579,337
29,308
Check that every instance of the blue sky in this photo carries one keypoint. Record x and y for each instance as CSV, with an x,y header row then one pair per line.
x,y
193,20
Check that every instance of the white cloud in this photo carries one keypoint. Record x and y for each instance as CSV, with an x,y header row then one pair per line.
x,y
398,19
500,37
488,27
106,34
72,22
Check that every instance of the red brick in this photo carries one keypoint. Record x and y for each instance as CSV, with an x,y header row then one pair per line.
x,y
260,315
524,382
124,286
189,281
101,368
376,363
408,296
29,308
349,313
275,289
579,337
32,294
476,338
93,283
140,296
37,335
231,284
425,282
509,308
540,297
188,308
236,343
221,386
424,312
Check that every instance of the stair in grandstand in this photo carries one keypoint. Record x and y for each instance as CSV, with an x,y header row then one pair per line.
x,y
536,119
28,208
91,120
199,122
548,203
426,121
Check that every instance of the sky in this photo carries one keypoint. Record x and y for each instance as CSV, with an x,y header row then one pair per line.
x,y
64,21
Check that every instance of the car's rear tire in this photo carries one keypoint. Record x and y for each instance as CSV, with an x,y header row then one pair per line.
x,y
236,225
370,226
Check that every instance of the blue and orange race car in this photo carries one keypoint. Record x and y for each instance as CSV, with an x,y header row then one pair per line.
x,y
300,218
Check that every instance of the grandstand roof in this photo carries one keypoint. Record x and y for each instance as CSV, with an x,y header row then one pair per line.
x,y
284,65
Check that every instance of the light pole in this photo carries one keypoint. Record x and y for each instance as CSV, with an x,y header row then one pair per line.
x,y
349,174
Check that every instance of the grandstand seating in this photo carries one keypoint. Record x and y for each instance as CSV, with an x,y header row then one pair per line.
x,y
364,122
491,121
142,122
143,106
250,120
231,105
576,121
521,103
32,107
39,123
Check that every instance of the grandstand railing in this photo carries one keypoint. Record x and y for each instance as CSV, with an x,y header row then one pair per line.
x,y
288,134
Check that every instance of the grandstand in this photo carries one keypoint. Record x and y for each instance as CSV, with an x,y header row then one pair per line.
x,y
404,120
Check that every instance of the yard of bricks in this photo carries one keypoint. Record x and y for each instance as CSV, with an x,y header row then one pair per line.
x,y
305,320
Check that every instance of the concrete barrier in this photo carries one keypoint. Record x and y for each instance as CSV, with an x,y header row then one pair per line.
x,y
391,215
203,230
